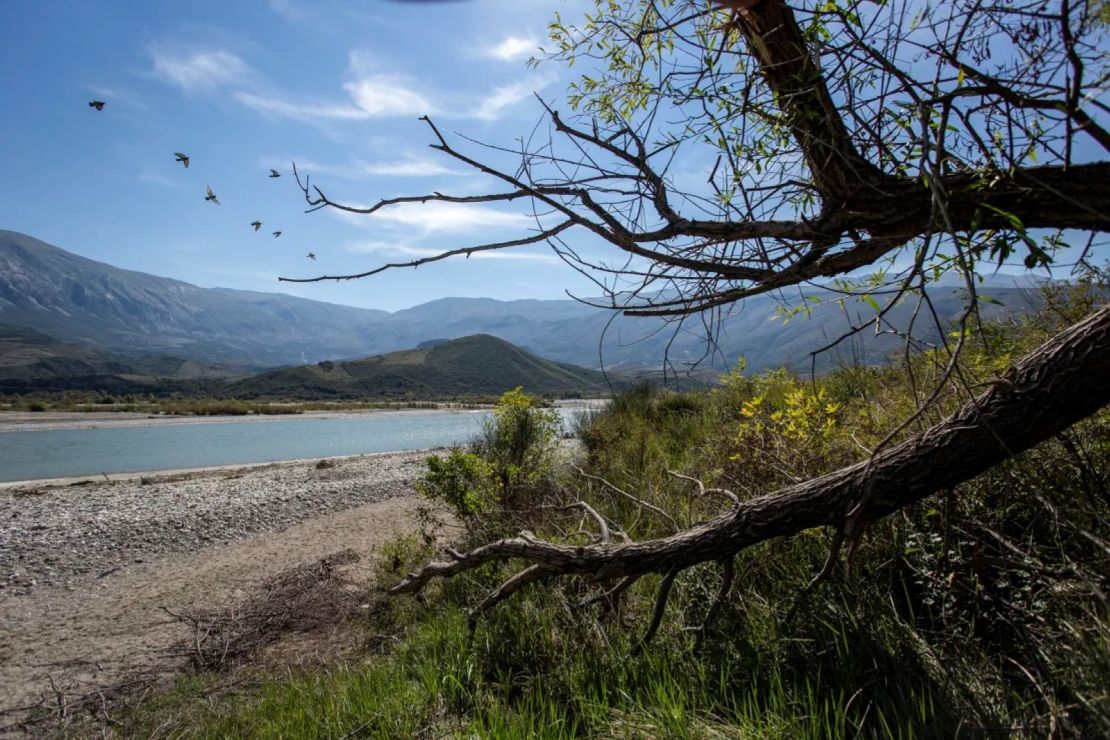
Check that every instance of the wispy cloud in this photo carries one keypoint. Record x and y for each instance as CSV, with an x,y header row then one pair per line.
x,y
384,95
194,70
289,10
416,221
448,217
376,94
409,168
491,106
360,169
512,48
304,111
158,179
386,248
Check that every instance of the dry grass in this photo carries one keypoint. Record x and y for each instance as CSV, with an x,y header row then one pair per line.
x,y
304,599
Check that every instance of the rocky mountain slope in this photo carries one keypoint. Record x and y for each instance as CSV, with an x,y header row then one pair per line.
x,y
79,300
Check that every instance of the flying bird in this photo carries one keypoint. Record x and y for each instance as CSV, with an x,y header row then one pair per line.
x,y
311,256
98,104
256,224
211,196
274,173
182,158
277,234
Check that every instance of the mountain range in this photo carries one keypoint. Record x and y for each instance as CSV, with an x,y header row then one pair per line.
x,y
82,302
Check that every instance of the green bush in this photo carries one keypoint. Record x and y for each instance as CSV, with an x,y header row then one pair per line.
x,y
487,485
519,440
464,481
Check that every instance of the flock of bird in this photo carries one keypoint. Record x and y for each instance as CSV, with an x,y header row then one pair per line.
x,y
210,196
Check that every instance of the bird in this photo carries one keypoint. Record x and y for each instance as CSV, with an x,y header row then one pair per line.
x,y
274,173
98,104
277,234
211,196
182,158
311,256
256,224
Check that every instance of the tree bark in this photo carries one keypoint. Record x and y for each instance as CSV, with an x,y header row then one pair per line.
x,y
1051,388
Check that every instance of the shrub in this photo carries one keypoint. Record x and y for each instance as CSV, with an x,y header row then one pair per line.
x,y
519,440
462,480
487,484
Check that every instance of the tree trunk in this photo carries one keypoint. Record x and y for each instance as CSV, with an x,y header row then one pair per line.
x,y
1051,388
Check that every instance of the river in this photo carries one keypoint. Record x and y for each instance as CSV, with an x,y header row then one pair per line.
x,y
27,454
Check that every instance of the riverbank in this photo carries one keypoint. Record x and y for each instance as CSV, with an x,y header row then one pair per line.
x,y
55,533
85,571
20,421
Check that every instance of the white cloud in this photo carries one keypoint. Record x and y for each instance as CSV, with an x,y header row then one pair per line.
x,y
385,248
377,96
301,111
512,48
490,107
405,250
197,70
289,10
408,168
359,169
438,216
362,62
159,179
384,95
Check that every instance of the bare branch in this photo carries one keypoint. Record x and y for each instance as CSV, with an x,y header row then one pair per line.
x,y
660,607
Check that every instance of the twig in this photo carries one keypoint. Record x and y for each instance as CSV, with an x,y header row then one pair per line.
x,y
660,608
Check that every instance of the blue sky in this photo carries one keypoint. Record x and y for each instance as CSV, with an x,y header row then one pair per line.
x,y
245,85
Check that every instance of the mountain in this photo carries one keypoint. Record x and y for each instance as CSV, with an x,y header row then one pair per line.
x,y
31,361
479,365
79,300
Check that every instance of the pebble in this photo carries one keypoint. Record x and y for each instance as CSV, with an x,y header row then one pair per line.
x,y
65,534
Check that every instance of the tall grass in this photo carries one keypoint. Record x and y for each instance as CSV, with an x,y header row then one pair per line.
x,y
979,612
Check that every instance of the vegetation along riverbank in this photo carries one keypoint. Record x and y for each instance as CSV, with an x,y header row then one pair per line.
x,y
977,611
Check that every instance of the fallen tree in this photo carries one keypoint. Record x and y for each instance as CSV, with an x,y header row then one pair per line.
x,y
1052,388
841,135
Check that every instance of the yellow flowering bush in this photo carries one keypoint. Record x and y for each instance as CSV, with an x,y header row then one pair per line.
x,y
785,425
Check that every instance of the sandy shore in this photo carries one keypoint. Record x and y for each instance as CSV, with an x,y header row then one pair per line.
x,y
85,571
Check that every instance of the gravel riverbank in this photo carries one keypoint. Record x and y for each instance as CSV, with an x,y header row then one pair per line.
x,y
64,535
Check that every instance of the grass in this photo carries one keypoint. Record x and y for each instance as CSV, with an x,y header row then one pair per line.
x,y
979,612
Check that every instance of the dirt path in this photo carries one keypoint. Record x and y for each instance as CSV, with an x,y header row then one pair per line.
x,y
108,629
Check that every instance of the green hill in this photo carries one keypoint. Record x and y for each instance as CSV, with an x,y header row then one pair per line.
x,y
479,365
32,362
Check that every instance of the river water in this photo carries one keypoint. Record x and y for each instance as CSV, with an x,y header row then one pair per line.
x,y
54,453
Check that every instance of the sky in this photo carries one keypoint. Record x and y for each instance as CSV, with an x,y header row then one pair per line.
x,y
242,86
245,85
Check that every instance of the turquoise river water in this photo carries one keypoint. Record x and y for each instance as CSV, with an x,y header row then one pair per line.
x,y
52,453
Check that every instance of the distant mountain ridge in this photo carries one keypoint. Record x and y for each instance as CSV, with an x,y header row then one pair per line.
x,y
75,299
479,365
